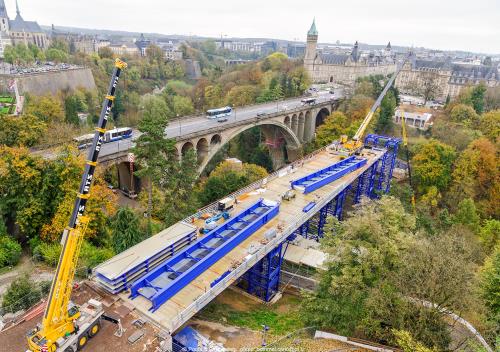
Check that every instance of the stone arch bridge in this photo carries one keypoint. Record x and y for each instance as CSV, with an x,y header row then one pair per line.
x,y
284,131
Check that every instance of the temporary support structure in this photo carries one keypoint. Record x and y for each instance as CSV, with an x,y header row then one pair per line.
x,y
174,274
263,279
387,161
329,174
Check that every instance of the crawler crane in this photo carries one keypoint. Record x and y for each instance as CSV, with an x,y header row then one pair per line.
x,y
67,327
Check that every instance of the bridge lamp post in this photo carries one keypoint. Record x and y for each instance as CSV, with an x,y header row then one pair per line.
x,y
180,126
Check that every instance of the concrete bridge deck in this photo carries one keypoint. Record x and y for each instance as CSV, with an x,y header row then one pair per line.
x,y
187,302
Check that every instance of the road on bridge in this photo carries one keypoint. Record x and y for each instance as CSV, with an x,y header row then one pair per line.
x,y
186,126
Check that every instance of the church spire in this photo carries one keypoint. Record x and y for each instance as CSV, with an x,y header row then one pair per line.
x,y
313,30
17,9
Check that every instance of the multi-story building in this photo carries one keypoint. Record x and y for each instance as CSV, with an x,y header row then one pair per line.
x,y
439,79
19,31
344,69
295,50
124,48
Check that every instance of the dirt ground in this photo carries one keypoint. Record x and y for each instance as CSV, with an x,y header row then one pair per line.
x,y
13,339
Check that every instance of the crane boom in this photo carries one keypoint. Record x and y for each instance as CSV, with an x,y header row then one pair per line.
x,y
355,143
361,130
59,318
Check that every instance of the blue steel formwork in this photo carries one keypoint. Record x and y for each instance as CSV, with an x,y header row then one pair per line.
x,y
263,279
328,174
176,273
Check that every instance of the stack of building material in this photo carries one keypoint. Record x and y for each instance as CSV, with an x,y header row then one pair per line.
x,y
118,273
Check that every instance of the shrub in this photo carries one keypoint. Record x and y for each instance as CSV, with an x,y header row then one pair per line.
x,y
10,251
21,294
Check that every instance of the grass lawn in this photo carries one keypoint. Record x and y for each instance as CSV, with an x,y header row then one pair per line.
x,y
235,309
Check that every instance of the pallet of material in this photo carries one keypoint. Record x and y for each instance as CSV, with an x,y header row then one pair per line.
x,y
118,273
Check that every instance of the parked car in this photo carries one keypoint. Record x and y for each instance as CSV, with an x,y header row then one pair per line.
x,y
261,113
222,119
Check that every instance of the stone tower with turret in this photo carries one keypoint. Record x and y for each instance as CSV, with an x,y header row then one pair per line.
x,y
4,18
310,55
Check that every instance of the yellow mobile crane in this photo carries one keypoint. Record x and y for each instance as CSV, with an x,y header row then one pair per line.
x,y
356,143
66,327
405,143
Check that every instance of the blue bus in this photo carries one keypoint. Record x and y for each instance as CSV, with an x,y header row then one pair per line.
x,y
216,113
117,133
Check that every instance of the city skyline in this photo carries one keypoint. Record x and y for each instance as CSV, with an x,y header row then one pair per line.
x,y
433,25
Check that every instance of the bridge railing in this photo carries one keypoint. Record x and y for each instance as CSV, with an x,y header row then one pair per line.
x,y
256,185
222,127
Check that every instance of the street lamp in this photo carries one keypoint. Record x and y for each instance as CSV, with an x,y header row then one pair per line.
x,y
180,129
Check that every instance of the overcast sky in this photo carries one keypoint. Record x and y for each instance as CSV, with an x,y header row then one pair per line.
x,y
441,24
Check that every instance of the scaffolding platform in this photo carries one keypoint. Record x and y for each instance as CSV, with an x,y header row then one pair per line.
x,y
174,274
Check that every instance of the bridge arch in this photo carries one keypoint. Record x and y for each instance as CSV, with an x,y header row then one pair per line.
x,y
215,139
321,116
287,121
186,147
290,138
201,149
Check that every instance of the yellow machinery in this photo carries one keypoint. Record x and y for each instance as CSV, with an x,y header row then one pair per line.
x,y
65,326
405,143
356,143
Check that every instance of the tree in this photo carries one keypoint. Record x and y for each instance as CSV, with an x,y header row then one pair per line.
x,y
228,177
59,44
47,108
366,247
21,294
489,125
429,86
241,95
10,250
387,108
478,97
182,106
213,96
476,176
335,125
489,235
26,130
72,106
105,53
56,55
490,286
432,165
408,343
125,229
158,159
467,215
118,106
464,114
155,53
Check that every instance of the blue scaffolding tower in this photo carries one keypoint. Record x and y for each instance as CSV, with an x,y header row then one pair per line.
x,y
387,161
263,279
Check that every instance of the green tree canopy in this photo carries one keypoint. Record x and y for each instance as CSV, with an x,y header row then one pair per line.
x,y
126,231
